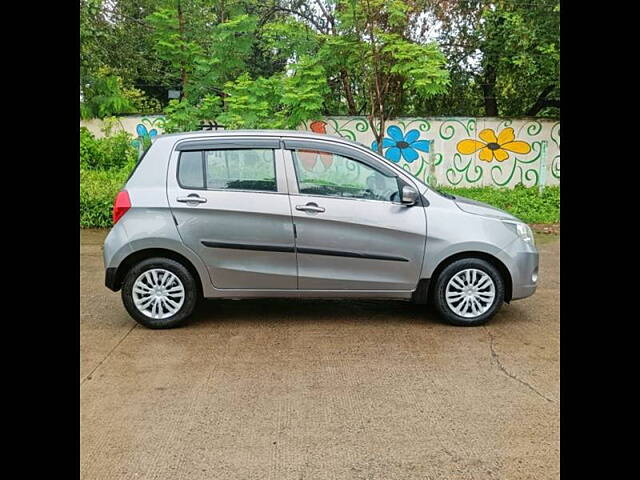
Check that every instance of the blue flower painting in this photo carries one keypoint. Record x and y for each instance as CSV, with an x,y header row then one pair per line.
x,y
143,135
402,145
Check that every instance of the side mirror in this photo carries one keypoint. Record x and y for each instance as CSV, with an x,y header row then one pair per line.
x,y
409,195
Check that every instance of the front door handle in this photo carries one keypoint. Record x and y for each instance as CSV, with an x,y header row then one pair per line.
x,y
192,198
310,207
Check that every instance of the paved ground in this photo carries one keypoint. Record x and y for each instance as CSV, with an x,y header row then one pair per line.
x,y
281,389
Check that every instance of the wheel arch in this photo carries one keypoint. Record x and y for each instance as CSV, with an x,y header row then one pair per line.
x,y
496,262
139,255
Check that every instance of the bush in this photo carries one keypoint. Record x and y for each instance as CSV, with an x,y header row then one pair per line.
x,y
527,204
106,153
98,189
105,164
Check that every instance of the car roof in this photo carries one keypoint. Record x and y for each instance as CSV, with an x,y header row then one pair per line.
x,y
264,133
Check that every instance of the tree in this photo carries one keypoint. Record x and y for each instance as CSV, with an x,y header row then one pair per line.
x,y
280,101
378,58
116,57
370,40
505,53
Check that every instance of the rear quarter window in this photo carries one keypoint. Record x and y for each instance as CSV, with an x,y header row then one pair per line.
x,y
191,170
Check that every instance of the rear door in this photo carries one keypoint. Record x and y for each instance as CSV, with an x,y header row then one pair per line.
x,y
230,204
352,231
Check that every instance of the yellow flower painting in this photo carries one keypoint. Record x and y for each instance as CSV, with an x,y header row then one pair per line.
x,y
494,147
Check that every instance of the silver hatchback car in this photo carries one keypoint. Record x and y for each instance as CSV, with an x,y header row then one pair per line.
x,y
267,213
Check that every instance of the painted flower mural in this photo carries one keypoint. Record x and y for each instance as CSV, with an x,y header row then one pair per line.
x,y
402,145
318,126
493,147
309,159
144,135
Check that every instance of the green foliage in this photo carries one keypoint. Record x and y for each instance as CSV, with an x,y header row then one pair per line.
x,y
528,204
529,45
375,56
254,103
421,66
105,164
280,101
304,92
98,189
372,51
289,39
104,97
173,44
184,116
231,44
507,50
202,57
106,153
140,102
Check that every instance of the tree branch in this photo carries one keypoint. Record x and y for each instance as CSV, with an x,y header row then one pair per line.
x,y
543,101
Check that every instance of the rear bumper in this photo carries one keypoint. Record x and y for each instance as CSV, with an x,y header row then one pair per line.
x,y
110,279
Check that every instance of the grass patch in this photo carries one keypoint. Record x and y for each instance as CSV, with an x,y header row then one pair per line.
x,y
528,204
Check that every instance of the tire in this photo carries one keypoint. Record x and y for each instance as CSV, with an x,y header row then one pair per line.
x,y
479,307
171,312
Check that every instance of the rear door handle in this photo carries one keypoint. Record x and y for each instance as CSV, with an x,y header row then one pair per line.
x,y
193,198
310,207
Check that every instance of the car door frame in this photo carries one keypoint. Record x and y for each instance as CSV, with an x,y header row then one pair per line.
x,y
365,157
205,143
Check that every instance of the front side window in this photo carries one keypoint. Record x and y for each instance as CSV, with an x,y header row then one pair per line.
x,y
239,169
324,173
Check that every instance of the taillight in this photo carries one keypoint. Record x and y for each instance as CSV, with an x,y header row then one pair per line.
x,y
121,204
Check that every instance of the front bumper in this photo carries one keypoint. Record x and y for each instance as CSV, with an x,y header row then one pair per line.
x,y
521,259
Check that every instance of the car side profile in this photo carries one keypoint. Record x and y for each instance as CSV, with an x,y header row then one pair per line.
x,y
268,213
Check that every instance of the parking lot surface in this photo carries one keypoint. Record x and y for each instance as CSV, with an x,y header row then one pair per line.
x,y
311,389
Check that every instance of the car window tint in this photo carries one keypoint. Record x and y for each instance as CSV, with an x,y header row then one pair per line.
x,y
190,172
324,173
243,169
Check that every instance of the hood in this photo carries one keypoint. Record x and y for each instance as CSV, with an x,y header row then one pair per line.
x,y
479,208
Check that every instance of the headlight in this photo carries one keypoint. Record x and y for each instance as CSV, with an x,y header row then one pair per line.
x,y
522,230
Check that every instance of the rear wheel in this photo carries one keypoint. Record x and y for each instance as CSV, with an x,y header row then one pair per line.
x,y
468,292
159,293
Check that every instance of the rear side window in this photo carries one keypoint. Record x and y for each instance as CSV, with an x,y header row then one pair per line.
x,y
245,169
233,169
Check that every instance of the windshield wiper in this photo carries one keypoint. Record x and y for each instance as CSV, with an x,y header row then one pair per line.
x,y
444,194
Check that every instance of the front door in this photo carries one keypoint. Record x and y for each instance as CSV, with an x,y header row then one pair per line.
x,y
352,232
232,209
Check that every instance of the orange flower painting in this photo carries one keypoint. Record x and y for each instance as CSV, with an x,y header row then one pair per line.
x,y
494,147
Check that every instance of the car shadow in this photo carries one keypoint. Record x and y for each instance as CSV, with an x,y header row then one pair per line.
x,y
316,311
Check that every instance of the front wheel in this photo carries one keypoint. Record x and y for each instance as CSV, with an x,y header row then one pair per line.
x,y
468,292
159,293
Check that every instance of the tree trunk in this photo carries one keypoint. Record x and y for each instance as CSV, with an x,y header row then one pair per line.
x,y
183,71
488,89
378,133
348,93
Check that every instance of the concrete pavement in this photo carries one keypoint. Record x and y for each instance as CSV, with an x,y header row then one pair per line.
x,y
293,389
